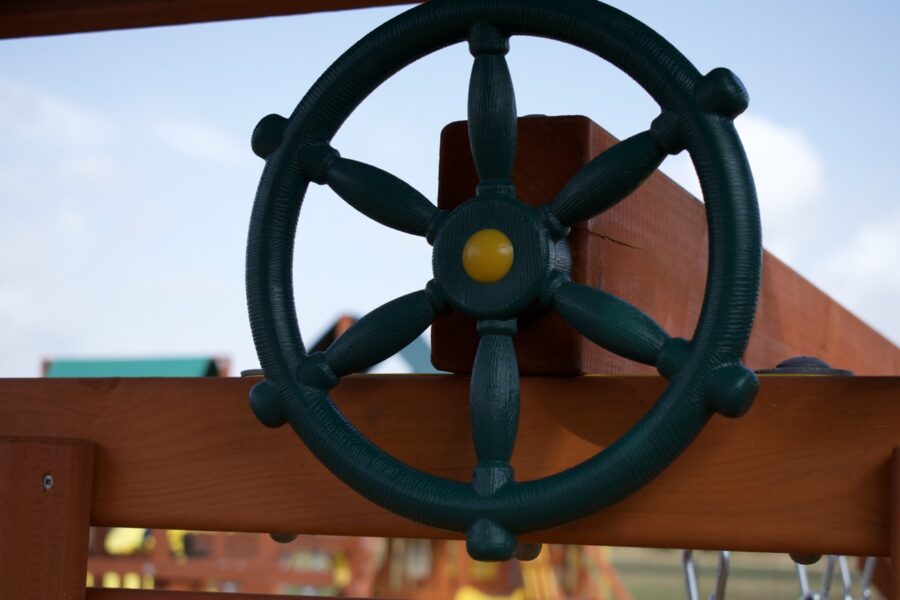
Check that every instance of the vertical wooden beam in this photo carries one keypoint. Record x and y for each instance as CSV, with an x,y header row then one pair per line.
x,y
895,526
45,497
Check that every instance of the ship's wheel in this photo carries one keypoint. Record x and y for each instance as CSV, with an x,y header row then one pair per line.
x,y
494,257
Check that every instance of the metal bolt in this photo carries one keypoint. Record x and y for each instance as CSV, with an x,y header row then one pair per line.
x,y
805,559
805,365
47,482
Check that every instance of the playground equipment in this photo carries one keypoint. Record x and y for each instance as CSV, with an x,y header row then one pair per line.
x,y
211,467
495,258
197,561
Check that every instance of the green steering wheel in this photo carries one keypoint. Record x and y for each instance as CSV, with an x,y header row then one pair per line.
x,y
495,257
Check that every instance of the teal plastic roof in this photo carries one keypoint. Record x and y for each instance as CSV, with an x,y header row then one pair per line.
x,y
163,367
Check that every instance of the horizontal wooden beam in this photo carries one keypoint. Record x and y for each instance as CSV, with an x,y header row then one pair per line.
x,y
651,250
808,469
23,18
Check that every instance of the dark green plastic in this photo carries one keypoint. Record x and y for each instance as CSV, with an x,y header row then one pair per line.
x,y
705,374
494,397
492,110
608,178
609,322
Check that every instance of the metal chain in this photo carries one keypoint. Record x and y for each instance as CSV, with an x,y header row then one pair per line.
x,y
843,565
690,575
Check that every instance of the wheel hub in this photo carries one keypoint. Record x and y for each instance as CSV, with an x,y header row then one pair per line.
x,y
491,257
488,256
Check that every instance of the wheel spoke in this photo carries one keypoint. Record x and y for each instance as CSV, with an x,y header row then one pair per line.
x,y
608,178
492,110
376,193
610,322
494,395
383,332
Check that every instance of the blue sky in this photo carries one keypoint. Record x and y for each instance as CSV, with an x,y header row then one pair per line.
x,y
126,179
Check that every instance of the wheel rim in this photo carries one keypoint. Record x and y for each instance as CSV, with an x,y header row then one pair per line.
x,y
704,377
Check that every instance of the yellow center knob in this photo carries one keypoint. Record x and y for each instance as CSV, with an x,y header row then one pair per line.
x,y
487,256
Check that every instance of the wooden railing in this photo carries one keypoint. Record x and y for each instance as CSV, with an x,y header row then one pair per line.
x,y
809,469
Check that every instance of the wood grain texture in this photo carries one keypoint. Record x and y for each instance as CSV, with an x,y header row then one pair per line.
x,y
44,529
23,18
651,250
189,454
894,591
881,578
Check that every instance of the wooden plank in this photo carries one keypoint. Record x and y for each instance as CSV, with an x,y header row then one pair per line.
x,y
796,318
650,249
894,591
23,18
809,465
881,578
548,153
114,594
45,494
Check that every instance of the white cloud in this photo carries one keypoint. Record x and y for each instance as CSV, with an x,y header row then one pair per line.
x,y
54,181
790,182
200,141
43,259
38,117
82,253
95,171
58,178
862,273
858,269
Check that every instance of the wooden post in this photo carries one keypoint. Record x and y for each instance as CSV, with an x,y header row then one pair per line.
x,y
895,526
45,498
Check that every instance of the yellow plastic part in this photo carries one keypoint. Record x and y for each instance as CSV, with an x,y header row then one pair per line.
x,y
111,579
340,570
469,592
131,581
122,541
488,256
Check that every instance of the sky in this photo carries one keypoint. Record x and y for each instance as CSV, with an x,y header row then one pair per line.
x,y
127,180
